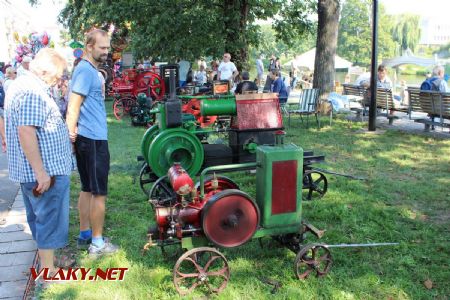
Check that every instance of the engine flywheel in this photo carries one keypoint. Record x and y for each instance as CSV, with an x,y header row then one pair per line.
x,y
230,218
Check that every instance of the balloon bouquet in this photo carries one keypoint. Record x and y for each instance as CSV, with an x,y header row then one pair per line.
x,y
30,46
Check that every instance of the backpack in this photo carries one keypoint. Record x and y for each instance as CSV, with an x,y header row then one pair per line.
x,y
430,84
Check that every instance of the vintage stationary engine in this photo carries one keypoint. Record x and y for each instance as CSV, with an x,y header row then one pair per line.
x,y
186,212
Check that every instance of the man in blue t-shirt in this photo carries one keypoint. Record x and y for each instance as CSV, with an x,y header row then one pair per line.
x,y
278,86
86,121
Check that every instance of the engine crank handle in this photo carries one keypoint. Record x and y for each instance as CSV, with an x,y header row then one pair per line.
x,y
360,245
338,174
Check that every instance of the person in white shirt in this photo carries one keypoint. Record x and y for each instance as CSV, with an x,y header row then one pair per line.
x,y
183,71
227,69
25,66
10,75
200,76
259,70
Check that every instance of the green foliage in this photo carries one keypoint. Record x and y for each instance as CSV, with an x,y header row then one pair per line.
x,y
268,44
190,29
405,199
406,31
355,32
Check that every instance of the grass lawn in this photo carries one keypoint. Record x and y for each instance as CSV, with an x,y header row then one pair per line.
x,y
405,199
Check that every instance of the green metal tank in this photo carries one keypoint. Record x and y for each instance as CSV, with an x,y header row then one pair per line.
x,y
218,107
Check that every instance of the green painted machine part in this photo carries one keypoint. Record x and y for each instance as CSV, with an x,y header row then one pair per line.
x,y
175,145
279,184
218,107
148,137
251,147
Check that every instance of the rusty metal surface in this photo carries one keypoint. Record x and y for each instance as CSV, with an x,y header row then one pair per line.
x,y
312,259
200,267
257,114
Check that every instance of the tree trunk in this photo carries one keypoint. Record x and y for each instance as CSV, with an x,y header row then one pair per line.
x,y
327,32
235,26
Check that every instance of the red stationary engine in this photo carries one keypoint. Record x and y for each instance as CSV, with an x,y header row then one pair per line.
x,y
225,215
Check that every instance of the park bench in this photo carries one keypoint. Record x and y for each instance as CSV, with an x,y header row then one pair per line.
x,y
435,104
385,101
357,94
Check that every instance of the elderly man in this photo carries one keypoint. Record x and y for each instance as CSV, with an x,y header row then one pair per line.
x,y
227,69
437,81
40,153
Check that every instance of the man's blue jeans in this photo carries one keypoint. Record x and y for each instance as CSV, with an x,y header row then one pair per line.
x,y
48,214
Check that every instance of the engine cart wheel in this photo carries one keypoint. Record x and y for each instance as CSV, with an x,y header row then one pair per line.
x,y
146,177
201,267
118,109
315,185
122,106
162,193
313,258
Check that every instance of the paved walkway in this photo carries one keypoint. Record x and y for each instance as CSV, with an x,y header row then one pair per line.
x,y
17,248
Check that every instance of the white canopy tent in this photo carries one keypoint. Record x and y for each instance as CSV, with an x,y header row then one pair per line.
x,y
307,60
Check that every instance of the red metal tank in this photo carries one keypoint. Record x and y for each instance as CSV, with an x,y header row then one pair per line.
x,y
180,180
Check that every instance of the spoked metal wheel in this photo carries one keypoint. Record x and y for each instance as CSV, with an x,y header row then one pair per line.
x,y
201,268
315,185
122,106
146,178
118,109
312,259
162,193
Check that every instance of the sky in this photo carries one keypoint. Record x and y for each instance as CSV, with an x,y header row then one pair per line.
x,y
45,14
425,8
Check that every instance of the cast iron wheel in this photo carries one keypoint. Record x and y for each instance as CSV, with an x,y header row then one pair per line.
x,y
313,258
162,193
122,106
315,185
199,267
118,109
146,177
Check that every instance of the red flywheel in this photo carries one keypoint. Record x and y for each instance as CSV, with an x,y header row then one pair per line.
x,y
230,218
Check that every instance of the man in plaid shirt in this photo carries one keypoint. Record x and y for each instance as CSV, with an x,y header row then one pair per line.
x,y
40,154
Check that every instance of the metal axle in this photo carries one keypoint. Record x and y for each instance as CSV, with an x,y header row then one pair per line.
x,y
359,245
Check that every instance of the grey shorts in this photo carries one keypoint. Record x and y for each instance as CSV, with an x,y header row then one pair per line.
x,y
2,113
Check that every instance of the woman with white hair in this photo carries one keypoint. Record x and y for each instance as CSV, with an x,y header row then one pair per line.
x,y
10,75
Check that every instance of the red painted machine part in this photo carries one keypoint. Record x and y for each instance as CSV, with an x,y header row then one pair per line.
x,y
230,218
193,107
180,181
284,188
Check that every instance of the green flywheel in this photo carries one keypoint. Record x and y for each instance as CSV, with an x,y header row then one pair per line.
x,y
175,145
148,137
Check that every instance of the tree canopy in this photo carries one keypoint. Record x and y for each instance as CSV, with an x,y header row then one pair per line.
x,y
191,28
355,32
406,31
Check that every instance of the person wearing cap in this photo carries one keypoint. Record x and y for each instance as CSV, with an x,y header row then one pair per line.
x,y
10,75
25,66
246,85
